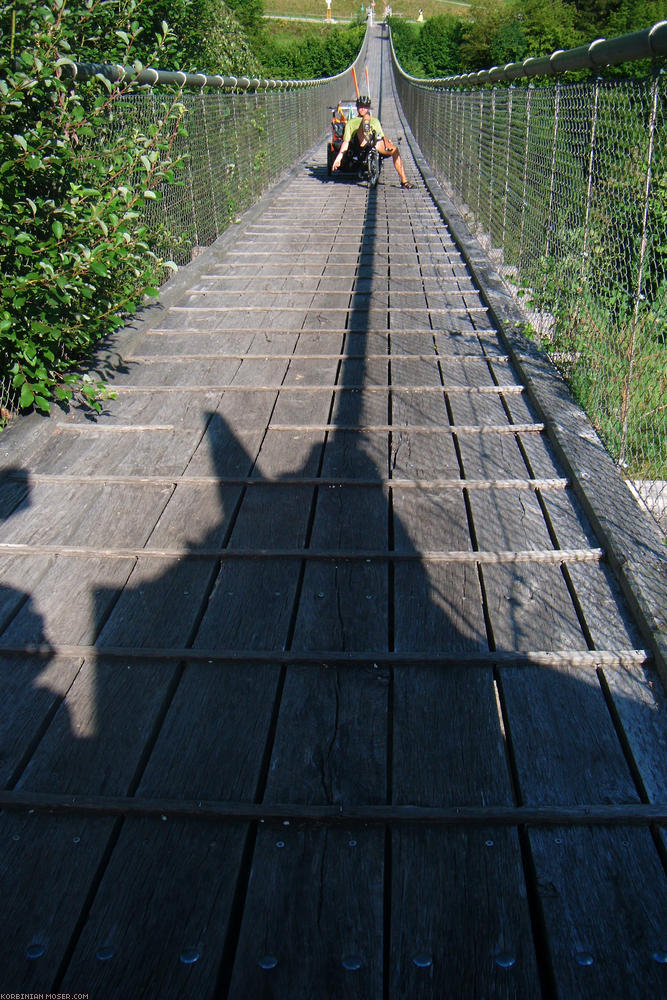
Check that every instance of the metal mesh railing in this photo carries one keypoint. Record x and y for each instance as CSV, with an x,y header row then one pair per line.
x,y
236,143
566,185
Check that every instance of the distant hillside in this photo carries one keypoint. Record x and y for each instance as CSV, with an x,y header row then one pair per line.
x,y
349,9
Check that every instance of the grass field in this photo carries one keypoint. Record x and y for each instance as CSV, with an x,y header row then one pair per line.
x,y
346,9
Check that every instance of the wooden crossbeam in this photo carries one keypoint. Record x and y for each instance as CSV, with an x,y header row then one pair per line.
x,y
391,484
504,557
89,428
475,336
421,428
245,356
310,307
165,809
581,659
489,390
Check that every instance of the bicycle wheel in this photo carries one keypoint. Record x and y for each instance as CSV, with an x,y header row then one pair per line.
x,y
373,167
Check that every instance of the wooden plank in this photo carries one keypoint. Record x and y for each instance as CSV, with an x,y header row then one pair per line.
x,y
97,737
421,454
197,517
32,690
212,743
303,408
344,603
440,607
86,514
608,620
17,573
251,604
459,910
331,737
492,456
413,454
183,372
162,912
315,896
640,704
447,745
477,408
604,897
15,490
556,720
99,697
460,924
523,602
52,862
357,407
465,372
504,517
46,867
323,910
143,408
531,604
73,612
313,919
165,603
166,451
223,448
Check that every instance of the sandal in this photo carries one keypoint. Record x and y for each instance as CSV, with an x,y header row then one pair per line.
x,y
407,185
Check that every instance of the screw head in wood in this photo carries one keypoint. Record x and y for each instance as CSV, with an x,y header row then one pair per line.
x,y
422,961
190,956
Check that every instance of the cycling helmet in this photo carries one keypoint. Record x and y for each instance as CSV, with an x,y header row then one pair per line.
x,y
363,101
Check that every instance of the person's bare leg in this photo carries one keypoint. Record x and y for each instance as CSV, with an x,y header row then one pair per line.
x,y
387,147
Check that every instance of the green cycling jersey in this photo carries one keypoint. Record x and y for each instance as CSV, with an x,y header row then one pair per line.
x,y
353,125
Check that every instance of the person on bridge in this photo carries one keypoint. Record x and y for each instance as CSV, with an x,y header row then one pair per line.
x,y
354,132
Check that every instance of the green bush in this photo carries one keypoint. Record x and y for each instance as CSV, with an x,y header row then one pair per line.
x,y
206,36
438,47
320,51
405,37
76,254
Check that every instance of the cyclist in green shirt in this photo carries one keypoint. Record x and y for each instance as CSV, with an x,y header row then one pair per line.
x,y
354,132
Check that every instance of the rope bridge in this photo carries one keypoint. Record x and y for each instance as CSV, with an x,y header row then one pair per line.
x,y
563,182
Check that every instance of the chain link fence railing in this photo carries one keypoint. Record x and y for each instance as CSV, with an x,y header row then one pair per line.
x,y
566,186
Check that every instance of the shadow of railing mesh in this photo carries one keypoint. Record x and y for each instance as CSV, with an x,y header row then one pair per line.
x,y
565,186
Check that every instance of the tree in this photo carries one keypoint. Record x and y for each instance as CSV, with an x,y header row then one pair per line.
x,y
438,47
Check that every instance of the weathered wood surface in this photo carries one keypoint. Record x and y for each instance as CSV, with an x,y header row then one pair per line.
x,y
340,349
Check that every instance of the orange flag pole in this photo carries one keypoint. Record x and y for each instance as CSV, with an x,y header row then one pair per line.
x,y
354,78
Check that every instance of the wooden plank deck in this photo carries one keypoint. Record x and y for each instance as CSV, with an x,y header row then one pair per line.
x,y
315,681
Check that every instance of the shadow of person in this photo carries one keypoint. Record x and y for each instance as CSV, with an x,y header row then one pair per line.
x,y
31,689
